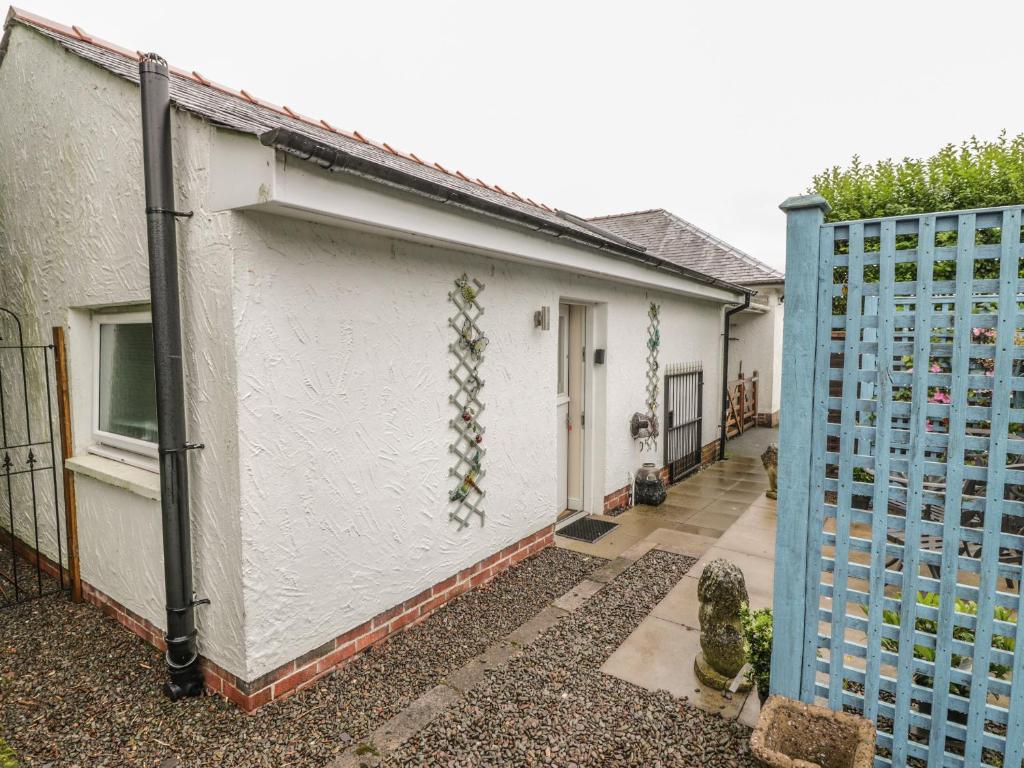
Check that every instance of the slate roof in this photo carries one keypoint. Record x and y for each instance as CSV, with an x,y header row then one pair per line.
x,y
666,235
241,111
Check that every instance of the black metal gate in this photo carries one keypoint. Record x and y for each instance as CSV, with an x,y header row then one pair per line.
x,y
32,535
684,404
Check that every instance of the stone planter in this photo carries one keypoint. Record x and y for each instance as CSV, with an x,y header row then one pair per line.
x,y
791,734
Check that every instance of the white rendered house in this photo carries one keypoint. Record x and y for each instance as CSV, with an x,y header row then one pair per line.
x,y
756,331
322,277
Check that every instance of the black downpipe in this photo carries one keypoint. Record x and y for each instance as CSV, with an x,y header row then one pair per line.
x,y
186,677
727,327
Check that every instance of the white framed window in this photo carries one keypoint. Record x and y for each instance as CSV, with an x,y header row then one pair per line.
x,y
124,426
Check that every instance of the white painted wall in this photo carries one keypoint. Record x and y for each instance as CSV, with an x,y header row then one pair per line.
x,y
72,238
343,362
757,346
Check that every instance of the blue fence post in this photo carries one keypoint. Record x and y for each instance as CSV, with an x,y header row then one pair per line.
x,y
804,217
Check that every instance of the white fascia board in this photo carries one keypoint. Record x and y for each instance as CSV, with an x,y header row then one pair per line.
x,y
245,175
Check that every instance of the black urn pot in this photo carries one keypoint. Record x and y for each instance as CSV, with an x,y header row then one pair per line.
x,y
649,491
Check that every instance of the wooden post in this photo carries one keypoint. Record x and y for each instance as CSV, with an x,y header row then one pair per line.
x,y
804,217
753,394
741,398
66,449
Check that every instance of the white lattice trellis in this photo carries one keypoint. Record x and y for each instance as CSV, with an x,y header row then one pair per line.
x,y
653,344
468,349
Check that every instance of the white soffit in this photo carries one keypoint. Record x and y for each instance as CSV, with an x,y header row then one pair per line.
x,y
246,176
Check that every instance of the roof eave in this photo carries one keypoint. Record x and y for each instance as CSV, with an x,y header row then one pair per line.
x,y
332,158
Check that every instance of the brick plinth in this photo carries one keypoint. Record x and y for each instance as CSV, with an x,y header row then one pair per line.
x,y
312,665
127,618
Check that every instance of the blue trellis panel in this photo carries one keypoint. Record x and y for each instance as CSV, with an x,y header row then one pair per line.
x,y
901,487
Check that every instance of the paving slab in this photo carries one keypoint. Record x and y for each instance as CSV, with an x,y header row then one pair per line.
x,y
699,530
659,655
578,595
680,606
712,518
531,629
609,546
681,543
638,550
611,569
744,496
681,496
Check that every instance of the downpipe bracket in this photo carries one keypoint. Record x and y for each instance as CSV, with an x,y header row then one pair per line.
x,y
182,449
176,214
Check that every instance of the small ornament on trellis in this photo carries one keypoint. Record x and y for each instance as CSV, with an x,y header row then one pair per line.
x,y
468,349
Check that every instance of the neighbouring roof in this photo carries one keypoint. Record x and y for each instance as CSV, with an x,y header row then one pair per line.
x,y
243,112
666,235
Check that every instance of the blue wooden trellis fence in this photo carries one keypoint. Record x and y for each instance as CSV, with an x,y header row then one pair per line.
x,y
901,485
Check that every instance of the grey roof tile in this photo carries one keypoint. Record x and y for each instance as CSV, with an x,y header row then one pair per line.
x,y
674,239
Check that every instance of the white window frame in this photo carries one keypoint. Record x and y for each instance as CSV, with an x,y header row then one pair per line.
x,y
128,450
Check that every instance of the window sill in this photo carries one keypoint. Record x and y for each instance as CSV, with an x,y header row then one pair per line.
x,y
133,479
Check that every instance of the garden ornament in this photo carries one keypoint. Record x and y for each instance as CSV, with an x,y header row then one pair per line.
x,y
770,459
722,592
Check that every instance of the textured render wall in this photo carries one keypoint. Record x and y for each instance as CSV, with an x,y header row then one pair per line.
x,y
120,546
72,235
779,316
757,346
690,331
342,340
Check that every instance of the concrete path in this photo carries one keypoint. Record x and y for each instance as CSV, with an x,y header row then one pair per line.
x,y
725,509
704,505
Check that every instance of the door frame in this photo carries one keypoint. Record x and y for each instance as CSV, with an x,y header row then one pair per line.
x,y
590,327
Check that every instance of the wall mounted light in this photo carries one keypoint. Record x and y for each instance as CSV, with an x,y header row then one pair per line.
x,y
542,318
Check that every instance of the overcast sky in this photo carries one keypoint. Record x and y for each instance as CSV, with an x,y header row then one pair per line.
x,y
716,111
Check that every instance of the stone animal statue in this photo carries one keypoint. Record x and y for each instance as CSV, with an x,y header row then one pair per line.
x,y
770,459
722,591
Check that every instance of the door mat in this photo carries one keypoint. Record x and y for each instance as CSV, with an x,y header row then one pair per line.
x,y
588,529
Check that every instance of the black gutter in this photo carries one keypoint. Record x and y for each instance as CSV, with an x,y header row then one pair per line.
x,y
186,678
333,159
727,322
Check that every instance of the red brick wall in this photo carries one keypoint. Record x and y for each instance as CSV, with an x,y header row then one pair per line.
x,y
311,666
768,419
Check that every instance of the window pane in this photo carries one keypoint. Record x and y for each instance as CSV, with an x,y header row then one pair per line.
x,y
127,402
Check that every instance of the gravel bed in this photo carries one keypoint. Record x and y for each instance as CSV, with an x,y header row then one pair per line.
x,y
78,690
553,706
28,579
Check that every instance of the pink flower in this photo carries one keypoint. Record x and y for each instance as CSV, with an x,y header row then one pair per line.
x,y
936,368
940,397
